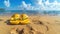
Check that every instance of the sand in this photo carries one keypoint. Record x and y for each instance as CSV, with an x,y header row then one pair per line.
x,y
38,25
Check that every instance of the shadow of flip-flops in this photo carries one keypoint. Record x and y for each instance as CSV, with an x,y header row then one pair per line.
x,y
8,22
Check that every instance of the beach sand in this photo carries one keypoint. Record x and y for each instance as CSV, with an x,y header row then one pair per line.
x,y
38,25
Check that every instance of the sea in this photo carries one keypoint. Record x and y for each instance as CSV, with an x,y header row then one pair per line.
x,y
29,12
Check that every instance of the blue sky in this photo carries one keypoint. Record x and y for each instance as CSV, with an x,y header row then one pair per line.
x,y
30,4
14,3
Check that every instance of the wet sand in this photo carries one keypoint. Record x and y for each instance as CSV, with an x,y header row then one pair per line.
x,y
39,24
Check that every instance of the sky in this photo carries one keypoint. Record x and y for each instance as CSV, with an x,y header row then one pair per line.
x,y
30,4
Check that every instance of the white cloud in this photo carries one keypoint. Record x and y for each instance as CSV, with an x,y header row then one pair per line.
x,y
7,3
54,6
40,5
25,6
49,6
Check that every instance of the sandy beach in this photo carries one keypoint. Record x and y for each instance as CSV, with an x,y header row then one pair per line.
x,y
39,24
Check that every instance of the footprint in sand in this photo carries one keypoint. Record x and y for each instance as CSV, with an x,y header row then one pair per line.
x,y
1,19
